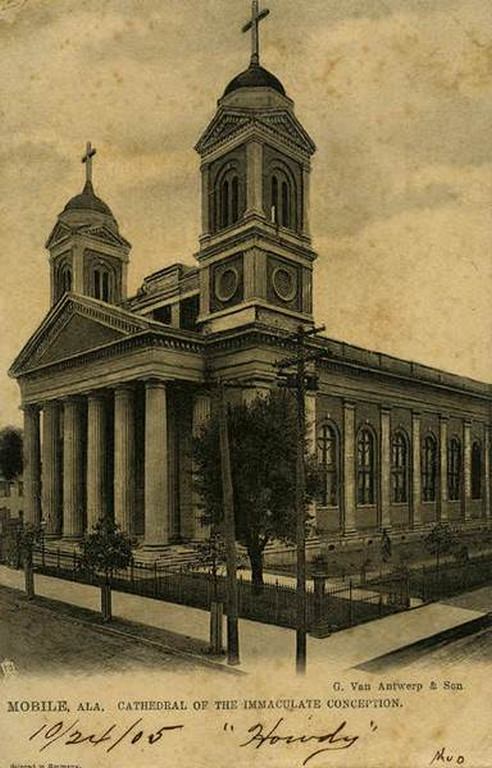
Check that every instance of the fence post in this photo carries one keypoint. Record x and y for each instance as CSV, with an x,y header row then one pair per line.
x,y
319,580
43,561
380,604
155,579
351,607
57,560
74,565
132,574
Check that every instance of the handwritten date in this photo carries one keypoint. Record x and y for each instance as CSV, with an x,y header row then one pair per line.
x,y
112,737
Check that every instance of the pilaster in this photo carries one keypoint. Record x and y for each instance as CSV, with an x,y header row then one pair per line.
x,y
385,464
416,508
487,478
348,467
254,178
466,495
443,468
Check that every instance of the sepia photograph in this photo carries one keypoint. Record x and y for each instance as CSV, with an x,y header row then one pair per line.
x,y
245,383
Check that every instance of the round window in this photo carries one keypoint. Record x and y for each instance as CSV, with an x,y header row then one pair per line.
x,y
284,283
226,284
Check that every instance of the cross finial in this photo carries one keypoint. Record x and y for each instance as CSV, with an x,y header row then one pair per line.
x,y
87,159
254,26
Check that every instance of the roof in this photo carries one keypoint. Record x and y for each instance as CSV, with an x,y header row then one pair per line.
x,y
255,77
87,200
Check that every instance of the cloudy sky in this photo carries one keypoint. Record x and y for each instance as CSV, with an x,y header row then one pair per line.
x,y
397,95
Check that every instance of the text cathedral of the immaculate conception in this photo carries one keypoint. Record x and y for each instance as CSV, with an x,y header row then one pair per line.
x,y
113,388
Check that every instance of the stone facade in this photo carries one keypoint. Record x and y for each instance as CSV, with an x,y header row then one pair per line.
x,y
113,387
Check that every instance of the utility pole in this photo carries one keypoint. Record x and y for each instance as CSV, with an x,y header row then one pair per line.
x,y
229,532
301,383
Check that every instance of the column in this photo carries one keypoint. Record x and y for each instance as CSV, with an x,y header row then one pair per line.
x,y
466,496
173,468
156,465
385,471
52,499
96,458
416,471
201,414
348,467
32,465
73,497
487,478
443,469
254,180
176,315
124,458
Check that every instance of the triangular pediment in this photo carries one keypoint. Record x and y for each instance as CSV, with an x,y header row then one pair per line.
x,y
74,326
223,126
105,234
289,128
59,232
282,124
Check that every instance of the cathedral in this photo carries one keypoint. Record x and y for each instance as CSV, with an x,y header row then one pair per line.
x,y
114,387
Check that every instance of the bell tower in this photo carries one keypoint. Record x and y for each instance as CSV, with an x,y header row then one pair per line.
x,y
88,255
255,254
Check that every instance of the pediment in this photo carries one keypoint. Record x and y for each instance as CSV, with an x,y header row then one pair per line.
x,y
287,126
279,122
74,327
223,126
59,232
106,235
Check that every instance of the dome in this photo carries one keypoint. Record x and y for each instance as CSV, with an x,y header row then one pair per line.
x,y
88,201
255,77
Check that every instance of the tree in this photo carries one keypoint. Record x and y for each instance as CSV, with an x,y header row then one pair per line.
x,y
263,445
440,541
104,551
10,452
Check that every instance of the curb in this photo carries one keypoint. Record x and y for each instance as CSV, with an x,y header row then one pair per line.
x,y
446,636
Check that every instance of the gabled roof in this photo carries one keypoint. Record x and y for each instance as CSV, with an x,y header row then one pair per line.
x,y
75,325
62,231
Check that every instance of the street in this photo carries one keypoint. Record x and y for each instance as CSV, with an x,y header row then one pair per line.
x,y
39,639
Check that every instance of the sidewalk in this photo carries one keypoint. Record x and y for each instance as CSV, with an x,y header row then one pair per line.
x,y
268,643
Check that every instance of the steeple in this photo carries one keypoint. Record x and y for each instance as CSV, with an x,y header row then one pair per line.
x,y
87,253
255,249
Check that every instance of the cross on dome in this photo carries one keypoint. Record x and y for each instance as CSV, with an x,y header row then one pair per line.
x,y
254,25
90,151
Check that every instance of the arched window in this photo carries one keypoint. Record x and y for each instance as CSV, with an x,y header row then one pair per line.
x,y
476,470
102,284
66,278
227,199
286,212
366,469
454,469
328,452
399,468
429,468
283,201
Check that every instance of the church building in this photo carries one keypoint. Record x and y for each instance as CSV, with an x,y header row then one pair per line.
x,y
113,387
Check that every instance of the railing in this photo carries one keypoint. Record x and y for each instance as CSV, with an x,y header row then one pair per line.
x,y
327,611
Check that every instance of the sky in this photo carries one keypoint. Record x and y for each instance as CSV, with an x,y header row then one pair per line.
x,y
397,95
